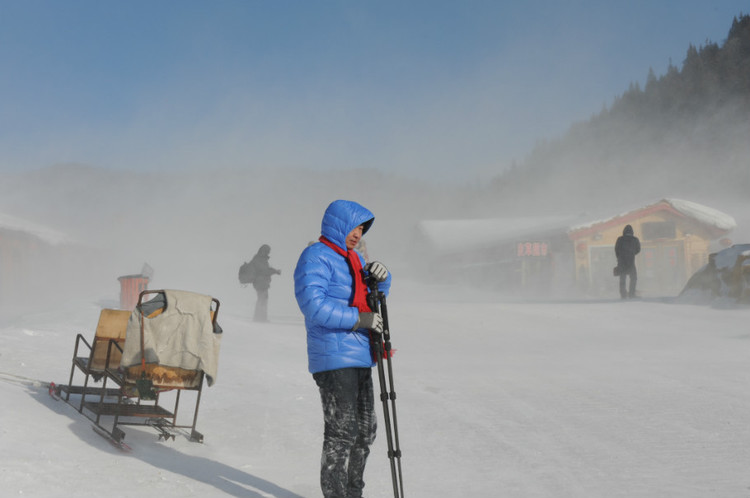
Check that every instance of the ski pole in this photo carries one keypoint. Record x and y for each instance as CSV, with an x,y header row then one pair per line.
x,y
382,347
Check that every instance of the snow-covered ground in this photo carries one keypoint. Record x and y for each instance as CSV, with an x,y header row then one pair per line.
x,y
496,397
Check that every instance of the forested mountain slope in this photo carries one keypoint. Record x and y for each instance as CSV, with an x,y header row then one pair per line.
x,y
686,133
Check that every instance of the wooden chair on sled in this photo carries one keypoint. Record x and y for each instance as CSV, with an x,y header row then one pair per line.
x,y
146,394
91,359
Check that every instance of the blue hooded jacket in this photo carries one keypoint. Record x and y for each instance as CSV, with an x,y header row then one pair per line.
x,y
324,288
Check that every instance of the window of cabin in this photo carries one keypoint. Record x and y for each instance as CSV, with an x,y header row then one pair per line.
x,y
653,230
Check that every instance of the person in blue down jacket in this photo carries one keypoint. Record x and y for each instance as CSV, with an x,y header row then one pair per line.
x,y
329,284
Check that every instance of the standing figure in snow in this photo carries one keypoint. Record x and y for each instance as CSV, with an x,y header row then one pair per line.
x,y
626,247
330,287
262,273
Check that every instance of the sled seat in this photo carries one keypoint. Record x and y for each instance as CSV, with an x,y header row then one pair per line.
x,y
111,327
92,358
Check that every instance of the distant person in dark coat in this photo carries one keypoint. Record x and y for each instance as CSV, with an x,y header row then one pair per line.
x,y
626,247
262,281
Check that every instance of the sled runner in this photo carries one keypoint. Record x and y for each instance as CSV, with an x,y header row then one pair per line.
x,y
141,364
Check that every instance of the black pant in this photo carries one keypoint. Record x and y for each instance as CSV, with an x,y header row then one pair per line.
x,y
625,272
261,305
350,425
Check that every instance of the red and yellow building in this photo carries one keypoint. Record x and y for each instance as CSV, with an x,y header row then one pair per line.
x,y
676,238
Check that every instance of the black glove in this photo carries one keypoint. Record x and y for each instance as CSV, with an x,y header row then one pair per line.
x,y
377,270
370,321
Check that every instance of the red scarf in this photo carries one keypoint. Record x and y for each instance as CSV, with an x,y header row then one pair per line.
x,y
359,300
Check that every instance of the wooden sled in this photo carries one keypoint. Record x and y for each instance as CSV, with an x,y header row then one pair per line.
x,y
110,395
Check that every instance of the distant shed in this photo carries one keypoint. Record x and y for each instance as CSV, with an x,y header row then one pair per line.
x,y
30,254
530,254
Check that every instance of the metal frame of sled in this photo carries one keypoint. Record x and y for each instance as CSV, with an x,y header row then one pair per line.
x,y
111,392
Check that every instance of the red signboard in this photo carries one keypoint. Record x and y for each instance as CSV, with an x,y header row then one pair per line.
x,y
532,249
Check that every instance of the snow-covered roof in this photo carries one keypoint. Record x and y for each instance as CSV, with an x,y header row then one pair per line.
x,y
46,234
703,214
448,236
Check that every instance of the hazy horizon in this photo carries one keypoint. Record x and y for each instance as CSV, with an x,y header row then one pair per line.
x,y
425,88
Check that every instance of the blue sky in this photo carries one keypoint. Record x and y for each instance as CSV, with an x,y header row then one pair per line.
x,y
428,87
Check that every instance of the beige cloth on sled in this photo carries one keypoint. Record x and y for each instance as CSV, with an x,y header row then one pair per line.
x,y
181,336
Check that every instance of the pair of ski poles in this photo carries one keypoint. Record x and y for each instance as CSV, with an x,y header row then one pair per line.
x,y
381,343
